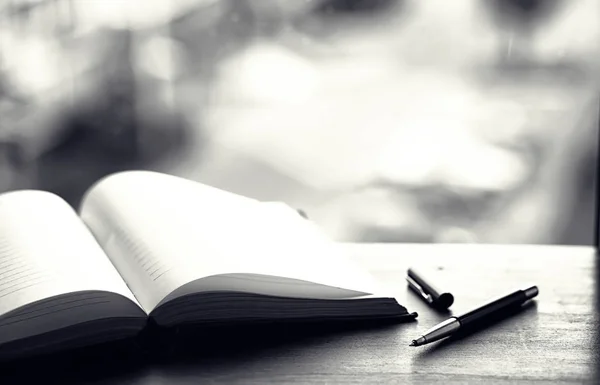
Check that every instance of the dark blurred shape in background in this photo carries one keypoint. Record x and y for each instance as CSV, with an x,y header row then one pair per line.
x,y
524,13
385,120
341,7
95,113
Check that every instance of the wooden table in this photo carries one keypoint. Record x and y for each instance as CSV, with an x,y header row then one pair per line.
x,y
554,341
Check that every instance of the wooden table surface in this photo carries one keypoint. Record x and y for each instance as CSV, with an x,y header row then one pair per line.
x,y
554,341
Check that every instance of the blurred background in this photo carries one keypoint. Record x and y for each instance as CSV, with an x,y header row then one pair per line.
x,y
384,120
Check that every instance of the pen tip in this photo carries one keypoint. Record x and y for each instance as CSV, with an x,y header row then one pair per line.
x,y
413,343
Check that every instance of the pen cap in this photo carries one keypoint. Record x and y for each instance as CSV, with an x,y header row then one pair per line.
x,y
431,294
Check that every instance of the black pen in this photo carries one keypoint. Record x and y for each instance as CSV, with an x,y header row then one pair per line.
x,y
432,295
468,320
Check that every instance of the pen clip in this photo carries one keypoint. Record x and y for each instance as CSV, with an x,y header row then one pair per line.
x,y
419,290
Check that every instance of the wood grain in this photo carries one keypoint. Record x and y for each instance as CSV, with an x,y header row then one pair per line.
x,y
554,341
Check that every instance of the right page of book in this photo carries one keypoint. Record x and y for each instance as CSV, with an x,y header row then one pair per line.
x,y
163,232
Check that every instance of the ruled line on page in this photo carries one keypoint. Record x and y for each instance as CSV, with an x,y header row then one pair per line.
x,y
43,280
151,267
18,278
161,274
13,267
31,277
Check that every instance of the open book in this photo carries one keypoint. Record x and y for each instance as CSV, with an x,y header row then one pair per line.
x,y
146,245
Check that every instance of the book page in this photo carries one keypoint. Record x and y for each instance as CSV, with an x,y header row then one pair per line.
x,y
162,232
45,251
277,252
146,222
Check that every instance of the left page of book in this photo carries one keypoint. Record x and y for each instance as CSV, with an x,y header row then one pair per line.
x,y
53,273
